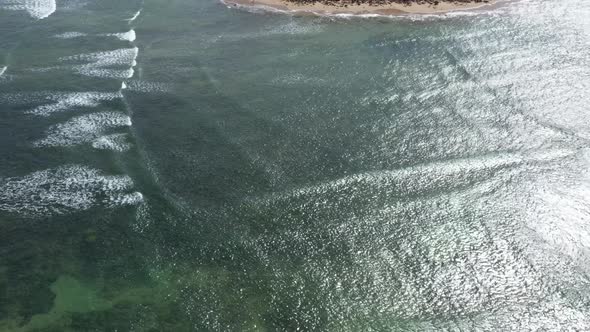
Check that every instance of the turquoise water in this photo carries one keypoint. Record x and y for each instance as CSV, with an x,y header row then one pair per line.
x,y
184,166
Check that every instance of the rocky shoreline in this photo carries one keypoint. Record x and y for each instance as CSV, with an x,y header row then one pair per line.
x,y
363,7
345,3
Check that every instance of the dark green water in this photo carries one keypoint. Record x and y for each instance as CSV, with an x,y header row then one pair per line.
x,y
181,166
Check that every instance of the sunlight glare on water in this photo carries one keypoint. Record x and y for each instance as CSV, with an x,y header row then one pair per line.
x,y
185,166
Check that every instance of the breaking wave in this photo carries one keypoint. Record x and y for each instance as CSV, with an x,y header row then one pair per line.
x,y
114,142
38,9
83,129
99,64
64,101
65,190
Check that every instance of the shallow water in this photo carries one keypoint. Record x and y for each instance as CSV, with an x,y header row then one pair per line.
x,y
183,166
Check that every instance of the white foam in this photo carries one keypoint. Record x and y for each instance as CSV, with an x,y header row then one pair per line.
x,y
20,98
38,9
129,35
3,76
134,17
114,142
125,199
70,35
83,129
123,86
146,86
65,190
64,101
100,63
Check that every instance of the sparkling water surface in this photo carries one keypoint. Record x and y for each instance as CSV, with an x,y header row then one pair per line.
x,y
183,166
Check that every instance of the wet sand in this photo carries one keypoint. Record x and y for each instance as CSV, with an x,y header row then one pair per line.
x,y
354,9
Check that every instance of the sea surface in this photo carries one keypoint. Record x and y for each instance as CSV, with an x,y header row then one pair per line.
x,y
180,165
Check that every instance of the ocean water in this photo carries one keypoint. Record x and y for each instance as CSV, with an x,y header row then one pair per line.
x,y
184,166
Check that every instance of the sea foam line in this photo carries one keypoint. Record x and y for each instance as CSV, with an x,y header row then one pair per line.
x,y
134,17
114,142
70,35
128,36
38,9
147,86
64,190
99,63
83,129
65,101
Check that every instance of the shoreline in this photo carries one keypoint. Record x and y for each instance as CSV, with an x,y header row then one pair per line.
x,y
358,10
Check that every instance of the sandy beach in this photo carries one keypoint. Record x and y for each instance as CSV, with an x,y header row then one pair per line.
x,y
360,9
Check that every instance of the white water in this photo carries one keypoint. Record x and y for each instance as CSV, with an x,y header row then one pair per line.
x,y
128,36
70,35
38,9
100,63
65,189
71,188
65,101
83,129
147,87
134,17
113,142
